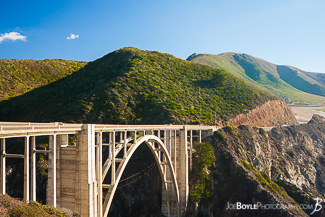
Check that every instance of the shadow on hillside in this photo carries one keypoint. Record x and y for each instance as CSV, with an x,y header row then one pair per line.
x,y
11,109
210,83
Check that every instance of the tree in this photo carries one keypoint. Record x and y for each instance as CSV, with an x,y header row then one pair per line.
x,y
203,158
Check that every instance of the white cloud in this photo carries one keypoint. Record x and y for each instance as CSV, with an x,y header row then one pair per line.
x,y
13,36
72,36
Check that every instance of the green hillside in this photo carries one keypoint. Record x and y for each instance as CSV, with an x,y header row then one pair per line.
x,y
131,86
20,76
320,77
305,81
288,83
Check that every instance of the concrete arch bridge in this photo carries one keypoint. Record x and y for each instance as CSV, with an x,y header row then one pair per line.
x,y
78,173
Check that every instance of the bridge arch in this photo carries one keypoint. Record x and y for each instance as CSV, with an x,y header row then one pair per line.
x,y
162,158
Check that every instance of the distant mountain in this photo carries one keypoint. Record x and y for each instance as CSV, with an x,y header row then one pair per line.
x,y
289,83
306,81
20,76
132,86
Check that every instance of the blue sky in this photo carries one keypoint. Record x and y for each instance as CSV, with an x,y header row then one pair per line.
x,y
289,32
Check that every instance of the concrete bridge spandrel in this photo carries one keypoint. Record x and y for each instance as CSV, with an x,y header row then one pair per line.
x,y
76,173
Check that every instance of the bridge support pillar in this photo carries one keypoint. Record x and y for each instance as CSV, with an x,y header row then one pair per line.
x,y
74,176
67,176
86,188
51,195
3,167
183,170
178,149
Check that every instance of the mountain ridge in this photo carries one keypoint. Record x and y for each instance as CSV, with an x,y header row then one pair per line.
x,y
132,86
297,87
20,76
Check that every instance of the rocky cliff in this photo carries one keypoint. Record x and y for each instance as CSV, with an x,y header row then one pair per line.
x,y
271,113
282,170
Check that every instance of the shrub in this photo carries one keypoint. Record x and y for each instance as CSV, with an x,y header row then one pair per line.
x,y
220,136
291,153
228,129
243,127
287,131
247,165
203,158
265,180
35,209
262,131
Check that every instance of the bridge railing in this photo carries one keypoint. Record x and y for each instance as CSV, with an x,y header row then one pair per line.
x,y
19,129
103,127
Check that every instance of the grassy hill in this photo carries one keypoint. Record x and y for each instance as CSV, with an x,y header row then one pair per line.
x,y
313,83
131,86
286,82
20,76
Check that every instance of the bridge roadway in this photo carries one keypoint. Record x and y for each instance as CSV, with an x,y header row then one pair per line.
x,y
86,161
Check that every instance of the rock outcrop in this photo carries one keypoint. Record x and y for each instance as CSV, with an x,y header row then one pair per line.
x,y
285,167
271,113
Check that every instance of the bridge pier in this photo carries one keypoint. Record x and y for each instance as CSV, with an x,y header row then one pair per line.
x,y
99,172
72,177
51,195
33,169
183,170
86,184
177,145
3,166
67,161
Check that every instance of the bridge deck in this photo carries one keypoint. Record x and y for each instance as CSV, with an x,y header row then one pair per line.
x,y
13,129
